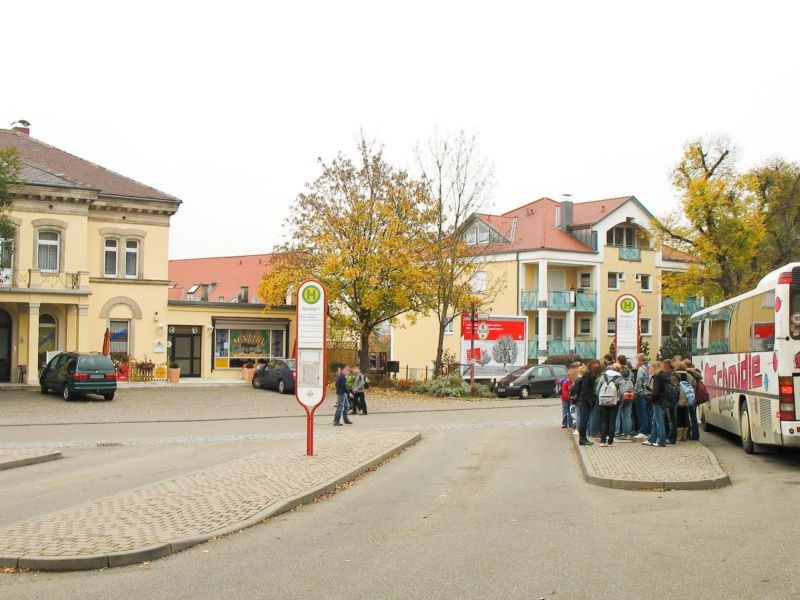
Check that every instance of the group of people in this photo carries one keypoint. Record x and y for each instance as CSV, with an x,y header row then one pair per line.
x,y
655,404
351,386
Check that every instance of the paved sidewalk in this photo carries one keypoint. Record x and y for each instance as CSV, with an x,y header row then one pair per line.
x,y
167,517
632,466
19,457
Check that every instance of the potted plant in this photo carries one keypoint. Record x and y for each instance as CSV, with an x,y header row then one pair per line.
x,y
248,370
174,372
144,370
121,361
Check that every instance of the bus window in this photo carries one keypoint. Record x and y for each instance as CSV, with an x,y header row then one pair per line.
x,y
794,309
719,330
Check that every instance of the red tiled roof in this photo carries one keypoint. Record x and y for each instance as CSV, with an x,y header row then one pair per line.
x,y
77,169
669,253
229,273
502,225
589,213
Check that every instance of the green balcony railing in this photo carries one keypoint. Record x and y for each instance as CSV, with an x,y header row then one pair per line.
x,y
629,253
558,346
559,300
692,305
529,299
586,348
688,307
586,301
533,349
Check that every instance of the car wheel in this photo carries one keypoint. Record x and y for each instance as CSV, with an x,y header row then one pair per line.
x,y
524,392
108,397
68,396
43,388
746,434
257,383
281,387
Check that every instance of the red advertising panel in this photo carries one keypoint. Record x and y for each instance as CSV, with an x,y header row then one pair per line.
x,y
497,346
492,329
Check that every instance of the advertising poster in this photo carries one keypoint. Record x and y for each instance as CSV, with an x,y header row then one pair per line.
x,y
500,345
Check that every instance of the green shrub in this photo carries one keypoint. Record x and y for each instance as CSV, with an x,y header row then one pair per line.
x,y
452,386
563,359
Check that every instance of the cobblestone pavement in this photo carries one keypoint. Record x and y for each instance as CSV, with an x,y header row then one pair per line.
x,y
193,505
17,457
133,405
631,461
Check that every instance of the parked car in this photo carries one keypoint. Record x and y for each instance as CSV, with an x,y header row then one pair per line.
x,y
278,374
536,380
74,374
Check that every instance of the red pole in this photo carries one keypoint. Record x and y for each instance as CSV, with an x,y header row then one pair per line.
x,y
310,430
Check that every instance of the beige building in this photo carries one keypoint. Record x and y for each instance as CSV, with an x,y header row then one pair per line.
x,y
90,252
562,266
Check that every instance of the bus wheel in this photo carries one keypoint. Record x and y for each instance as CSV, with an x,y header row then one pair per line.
x,y
704,424
747,436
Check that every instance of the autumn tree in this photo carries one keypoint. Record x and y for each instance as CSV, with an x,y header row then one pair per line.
x,y
718,221
360,229
9,176
776,185
505,350
459,183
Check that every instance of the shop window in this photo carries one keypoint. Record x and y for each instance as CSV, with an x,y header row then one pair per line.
x,y
47,337
131,259
233,348
110,258
47,250
120,337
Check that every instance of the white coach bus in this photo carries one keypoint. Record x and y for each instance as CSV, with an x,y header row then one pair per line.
x,y
748,350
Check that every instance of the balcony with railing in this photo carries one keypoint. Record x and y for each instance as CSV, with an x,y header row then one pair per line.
x,y
558,346
562,300
687,307
529,299
586,348
585,301
34,279
630,253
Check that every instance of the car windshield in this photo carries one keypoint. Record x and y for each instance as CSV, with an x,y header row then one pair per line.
x,y
95,363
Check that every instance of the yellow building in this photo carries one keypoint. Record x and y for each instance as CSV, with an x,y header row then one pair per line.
x,y
90,253
562,265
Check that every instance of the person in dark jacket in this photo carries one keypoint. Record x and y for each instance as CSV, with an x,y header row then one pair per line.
x,y
342,397
662,398
587,398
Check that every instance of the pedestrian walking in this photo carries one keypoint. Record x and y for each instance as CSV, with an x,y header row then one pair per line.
x,y
342,397
644,411
587,399
359,391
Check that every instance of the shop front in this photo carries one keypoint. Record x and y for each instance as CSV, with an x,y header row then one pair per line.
x,y
238,342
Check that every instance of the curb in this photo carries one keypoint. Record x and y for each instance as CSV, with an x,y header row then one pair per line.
x,y
633,484
31,460
138,555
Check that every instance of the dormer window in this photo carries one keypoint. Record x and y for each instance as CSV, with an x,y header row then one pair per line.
x,y
480,233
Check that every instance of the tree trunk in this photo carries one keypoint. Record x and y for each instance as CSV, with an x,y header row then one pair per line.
x,y
363,353
437,365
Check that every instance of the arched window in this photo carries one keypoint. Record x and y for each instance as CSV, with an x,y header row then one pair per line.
x,y
48,336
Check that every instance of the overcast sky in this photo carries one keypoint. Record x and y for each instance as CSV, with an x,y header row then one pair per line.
x,y
227,105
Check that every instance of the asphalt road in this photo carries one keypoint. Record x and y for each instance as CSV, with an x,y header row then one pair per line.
x,y
477,510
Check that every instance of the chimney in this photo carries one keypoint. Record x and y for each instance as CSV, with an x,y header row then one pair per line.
x,y
22,126
566,214
244,294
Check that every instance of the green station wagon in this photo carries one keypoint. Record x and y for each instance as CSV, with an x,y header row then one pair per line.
x,y
75,374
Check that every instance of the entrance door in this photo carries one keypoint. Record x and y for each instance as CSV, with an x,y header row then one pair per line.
x,y
185,349
5,346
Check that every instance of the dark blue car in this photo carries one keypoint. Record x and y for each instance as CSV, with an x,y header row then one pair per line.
x,y
277,374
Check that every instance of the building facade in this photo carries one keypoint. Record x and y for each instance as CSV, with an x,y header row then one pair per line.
x,y
90,253
562,266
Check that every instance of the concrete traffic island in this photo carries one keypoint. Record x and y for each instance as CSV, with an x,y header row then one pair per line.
x,y
629,465
11,458
167,517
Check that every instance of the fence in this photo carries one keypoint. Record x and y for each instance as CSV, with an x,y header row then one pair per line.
x,y
142,371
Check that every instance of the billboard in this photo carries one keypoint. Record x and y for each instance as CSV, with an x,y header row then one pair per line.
x,y
497,346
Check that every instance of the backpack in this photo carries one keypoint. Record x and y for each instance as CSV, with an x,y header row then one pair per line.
x,y
559,382
609,394
687,397
670,395
701,394
366,382
627,391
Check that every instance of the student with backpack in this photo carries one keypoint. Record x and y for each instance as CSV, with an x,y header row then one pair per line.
x,y
644,411
566,392
609,396
664,395
700,397
586,398
624,422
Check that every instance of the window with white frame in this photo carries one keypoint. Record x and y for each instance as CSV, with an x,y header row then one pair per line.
x,y
480,233
448,328
110,258
585,280
644,327
646,281
611,327
47,250
479,282
585,326
120,337
131,259
614,280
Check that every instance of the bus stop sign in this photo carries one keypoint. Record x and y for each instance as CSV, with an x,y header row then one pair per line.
x,y
311,336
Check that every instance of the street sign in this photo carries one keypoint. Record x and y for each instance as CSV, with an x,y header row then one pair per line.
x,y
626,339
311,335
